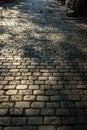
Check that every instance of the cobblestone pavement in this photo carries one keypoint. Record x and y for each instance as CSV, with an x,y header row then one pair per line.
x,y
43,68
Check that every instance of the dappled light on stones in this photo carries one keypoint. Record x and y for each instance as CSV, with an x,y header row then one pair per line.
x,y
43,67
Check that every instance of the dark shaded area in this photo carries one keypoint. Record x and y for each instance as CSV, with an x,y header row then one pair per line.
x,y
80,10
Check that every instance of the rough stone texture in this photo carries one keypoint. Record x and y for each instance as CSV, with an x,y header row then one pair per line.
x,y
46,128
35,120
29,128
19,121
52,120
37,105
32,112
5,121
43,67
22,104
46,112
16,111
65,128
12,128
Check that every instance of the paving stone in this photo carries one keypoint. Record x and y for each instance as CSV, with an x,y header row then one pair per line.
x,y
18,121
16,98
33,77
69,120
51,92
27,82
81,104
32,112
65,128
35,120
83,97
6,104
81,86
38,92
52,105
42,78
29,128
67,104
22,104
11,92
25,92
58,98
14,70
52,120
12,128
78,112
16,111
29,98
9,78
39,82
51,82
55,78
42,98
74,98
37,104
46,128
33,87
3,82
62,112
21,87
57,87
6,87
26,74
45,87
46,112
5,121
15,82
4,98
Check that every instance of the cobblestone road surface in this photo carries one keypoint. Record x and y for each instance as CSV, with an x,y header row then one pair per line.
x,y
43,68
